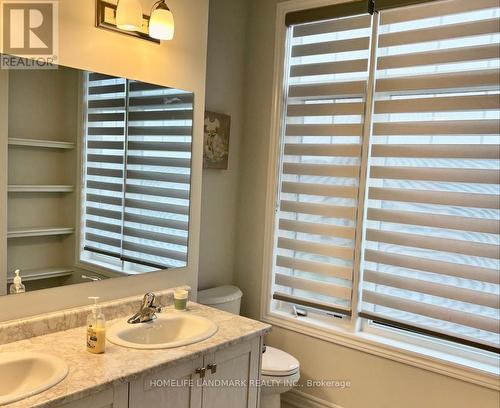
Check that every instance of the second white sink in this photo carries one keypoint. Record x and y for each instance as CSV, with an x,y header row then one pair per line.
x,y
167,331
25,374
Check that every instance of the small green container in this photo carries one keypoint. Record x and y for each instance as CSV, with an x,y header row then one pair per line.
x,y
180,304
180,299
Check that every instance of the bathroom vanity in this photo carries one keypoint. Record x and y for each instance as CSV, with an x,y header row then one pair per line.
x,y
190,384
223,370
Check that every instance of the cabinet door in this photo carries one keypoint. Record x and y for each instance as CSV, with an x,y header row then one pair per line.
x,y
235,378
174,387
114,397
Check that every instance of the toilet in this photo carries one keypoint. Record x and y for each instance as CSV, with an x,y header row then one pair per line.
x,y
280,373
280,370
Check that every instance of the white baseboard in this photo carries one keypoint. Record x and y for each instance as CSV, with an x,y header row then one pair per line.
x,y
300,399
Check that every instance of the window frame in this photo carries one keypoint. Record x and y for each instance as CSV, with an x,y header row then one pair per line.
x,y
435,355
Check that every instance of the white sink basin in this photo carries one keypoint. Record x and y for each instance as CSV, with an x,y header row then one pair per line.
x,y
169,330
25,374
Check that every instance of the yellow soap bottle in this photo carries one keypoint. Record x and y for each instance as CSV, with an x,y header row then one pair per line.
x,y
96,329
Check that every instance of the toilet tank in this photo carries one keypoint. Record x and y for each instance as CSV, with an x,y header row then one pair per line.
x,y
227,298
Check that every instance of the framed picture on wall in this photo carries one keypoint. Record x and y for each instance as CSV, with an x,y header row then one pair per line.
x,y
216,140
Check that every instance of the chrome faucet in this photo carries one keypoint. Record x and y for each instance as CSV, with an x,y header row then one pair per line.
x,y
148,310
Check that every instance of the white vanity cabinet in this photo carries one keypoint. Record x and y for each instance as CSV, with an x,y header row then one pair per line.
x,y
114,397
224,378
236,371
173,387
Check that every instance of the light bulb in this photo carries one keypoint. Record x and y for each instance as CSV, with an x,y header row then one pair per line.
x,y
129,15
161,23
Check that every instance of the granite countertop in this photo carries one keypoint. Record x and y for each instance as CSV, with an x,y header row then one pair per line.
x,y
90,373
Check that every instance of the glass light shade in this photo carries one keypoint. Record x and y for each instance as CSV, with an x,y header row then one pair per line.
x,y
129,15
161,24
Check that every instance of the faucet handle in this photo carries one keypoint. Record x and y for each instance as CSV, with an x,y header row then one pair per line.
x,y
148,300
148,310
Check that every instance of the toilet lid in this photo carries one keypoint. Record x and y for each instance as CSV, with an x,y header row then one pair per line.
x,y
277,363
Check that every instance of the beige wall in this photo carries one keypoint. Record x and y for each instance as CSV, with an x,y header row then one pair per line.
x,y
224,94
180,63
376,382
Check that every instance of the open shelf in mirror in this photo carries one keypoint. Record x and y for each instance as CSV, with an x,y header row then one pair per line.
x,y
48,144
38,232
21,188
43,273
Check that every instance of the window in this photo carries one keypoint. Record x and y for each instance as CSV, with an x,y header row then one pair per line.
x,y
432,225
320,164
388,204
136,175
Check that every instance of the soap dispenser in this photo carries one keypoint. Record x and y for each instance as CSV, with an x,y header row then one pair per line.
x,y
17,286
96,329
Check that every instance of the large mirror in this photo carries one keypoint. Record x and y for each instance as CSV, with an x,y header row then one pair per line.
x,y
99,172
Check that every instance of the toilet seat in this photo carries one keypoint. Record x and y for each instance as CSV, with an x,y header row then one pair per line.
x,y
277,363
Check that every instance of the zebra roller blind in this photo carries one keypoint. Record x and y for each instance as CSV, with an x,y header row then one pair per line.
x,y
137,171
430,95
432,228
320,163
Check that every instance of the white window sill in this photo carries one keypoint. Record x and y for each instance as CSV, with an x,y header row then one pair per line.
x,y
109,267
100,268
460,368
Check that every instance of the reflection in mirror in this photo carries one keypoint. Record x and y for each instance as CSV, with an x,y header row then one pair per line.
x,y
99,176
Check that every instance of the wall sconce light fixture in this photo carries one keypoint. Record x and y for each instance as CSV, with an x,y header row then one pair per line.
x,y
161,23
126,17
129,15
